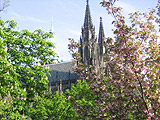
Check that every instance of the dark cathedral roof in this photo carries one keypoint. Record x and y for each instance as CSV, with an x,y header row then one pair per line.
x,y
61,71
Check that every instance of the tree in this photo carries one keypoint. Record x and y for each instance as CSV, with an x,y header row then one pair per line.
x,y
52,107
82,99
131,90
21,80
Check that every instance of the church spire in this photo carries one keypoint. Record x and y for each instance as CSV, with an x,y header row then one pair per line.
x,y
52,30
101,44
88,20
87,40
101,32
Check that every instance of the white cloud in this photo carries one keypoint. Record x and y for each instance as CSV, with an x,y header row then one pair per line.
x,y
17,16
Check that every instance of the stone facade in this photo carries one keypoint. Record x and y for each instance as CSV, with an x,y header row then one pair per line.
x,y
62,76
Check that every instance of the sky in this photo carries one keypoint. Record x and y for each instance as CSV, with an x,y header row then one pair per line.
x,y
68,17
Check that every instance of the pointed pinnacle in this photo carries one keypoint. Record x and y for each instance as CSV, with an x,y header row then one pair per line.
x,y
87,2
100,19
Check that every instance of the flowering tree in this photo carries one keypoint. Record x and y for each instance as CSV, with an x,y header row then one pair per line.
x,y
130,87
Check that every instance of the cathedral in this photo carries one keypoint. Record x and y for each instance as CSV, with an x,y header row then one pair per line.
x,y
92,51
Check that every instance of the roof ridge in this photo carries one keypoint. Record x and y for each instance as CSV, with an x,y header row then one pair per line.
x,y
58,63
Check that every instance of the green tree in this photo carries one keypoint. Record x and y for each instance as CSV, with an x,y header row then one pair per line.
x,y
52,107
10,90
21,80
83,99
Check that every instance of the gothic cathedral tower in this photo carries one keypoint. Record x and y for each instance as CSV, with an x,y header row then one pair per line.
x,y
91,51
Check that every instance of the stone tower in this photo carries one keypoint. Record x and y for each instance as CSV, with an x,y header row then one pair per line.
x,y
91,51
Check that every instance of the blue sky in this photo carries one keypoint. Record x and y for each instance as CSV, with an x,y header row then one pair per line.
x,y
68,17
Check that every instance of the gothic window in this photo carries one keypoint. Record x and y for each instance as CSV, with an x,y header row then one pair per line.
x,y
90,36
104,50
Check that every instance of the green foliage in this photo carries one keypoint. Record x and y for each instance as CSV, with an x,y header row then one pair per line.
x,y
41,109
66,106
52,107
83,99
21,81
10,91
62,108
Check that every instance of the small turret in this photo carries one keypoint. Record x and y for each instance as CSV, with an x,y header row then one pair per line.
x,y
101,33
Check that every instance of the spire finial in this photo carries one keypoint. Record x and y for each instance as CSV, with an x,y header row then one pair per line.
x,y
100,19
87,2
